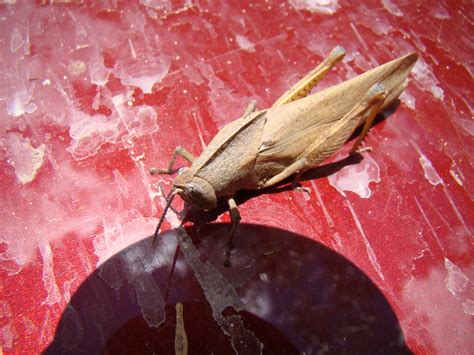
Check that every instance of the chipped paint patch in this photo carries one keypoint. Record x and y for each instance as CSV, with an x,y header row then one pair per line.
x,y
49,280
455,280
327,7
244,43
356,178
23,157
392,8
468,307
430,173
20,103
425,78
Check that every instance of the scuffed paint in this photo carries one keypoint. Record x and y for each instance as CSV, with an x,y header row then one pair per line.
x,y
49,279
327,7
455,280
23,157
356,178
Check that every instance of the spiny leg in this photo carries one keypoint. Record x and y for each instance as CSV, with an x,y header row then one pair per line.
x,y
379,94
183,152
186,154
235,216
336,136
305,85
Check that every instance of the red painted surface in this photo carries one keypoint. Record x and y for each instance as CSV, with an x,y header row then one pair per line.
x,y
92,96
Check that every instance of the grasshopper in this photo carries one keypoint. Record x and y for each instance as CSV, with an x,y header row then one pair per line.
x,y
298,132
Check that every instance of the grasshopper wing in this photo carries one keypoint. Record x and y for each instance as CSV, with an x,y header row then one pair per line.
x,y
292,131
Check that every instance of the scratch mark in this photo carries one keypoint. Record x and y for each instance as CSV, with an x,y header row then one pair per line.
x,y
456,176
321,203
337,238
370,251
359,37
203,144
132,49
430,226
456,211
441,217
388,201
44,326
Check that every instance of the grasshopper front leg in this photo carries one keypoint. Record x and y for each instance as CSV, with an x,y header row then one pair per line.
x,y
182,152
233,209
235,217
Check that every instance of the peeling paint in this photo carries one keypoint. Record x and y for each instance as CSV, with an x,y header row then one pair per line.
x,y
327,7
430,173
23,157
244,43
49,280
425,78
356,178
220,294
392,8
455,280
20,103
468,307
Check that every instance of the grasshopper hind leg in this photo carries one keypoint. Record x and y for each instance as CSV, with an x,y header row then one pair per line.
x,y
305,85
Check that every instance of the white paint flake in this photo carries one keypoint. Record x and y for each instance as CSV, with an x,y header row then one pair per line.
x,y
430,173
425,78
49,280
455,280
356,178
20,103
327,7
23,157
408,100
468,307
244,43
392,8
142,73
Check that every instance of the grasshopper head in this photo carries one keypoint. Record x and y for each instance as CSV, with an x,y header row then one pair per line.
x,y
194,190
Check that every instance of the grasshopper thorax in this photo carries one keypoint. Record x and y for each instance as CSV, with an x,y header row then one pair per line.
x,y
196,191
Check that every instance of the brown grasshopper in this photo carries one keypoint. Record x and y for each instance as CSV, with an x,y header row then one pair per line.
x,y
298,132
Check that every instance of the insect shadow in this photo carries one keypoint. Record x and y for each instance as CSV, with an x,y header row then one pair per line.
x,y
295,295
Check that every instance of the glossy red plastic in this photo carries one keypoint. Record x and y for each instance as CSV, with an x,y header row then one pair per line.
x,y
377,258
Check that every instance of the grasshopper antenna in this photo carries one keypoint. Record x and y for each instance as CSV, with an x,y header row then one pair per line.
x,y
169,199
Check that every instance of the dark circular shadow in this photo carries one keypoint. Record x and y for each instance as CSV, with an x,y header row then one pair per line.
x,y
283,292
